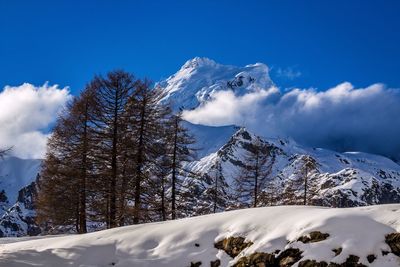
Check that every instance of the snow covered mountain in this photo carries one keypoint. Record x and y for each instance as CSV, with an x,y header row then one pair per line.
x,y
283,236
200,78
18,189
338,179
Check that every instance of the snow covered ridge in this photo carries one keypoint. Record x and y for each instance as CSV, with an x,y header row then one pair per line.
x,y
272,236
338,179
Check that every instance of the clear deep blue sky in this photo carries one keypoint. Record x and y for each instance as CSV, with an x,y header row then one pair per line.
x,y
67,42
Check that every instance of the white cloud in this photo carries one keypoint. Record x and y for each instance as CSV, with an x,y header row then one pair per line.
x,y
26,112
227,108
340,118
288,73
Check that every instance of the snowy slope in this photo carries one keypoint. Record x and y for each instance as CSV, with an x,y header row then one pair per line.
x,y
16,173
200,78
190,242
209,138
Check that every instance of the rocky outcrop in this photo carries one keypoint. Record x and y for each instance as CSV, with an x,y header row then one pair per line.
x,y
315,236
260,259
19,220
233,245
393,240
286,258
351,261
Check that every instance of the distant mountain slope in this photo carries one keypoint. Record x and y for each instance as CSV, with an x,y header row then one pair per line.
x,y
208,138
17,181
16,173
273,236
341,179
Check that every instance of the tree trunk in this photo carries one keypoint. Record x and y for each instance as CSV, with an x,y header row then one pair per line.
x,y
305,186
123,194
139,161
163,213
173,193
113,182
256,181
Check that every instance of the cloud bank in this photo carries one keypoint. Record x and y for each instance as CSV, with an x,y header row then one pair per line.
x,y
26,112
342,118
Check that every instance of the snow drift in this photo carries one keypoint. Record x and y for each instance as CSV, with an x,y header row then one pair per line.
x,y
355,233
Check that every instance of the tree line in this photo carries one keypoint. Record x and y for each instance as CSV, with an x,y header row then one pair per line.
x,y
113,153
118,156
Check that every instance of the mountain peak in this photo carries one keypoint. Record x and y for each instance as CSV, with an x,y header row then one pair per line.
x,y
198,62
200,78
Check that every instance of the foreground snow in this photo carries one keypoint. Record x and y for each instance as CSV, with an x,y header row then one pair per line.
x,y
358,231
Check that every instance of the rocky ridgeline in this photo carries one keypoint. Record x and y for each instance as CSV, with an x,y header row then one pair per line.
x,y
234,246
19,219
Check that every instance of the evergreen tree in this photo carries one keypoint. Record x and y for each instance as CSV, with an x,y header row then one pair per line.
x,y
65,169
112,95
216,193
116,156
308,166
254,173
180,153
270,195
301,186
145,130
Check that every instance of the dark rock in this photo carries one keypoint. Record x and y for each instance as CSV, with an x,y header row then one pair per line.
x,y
351,261
288,257
257,259
195,264
315,236
384,252
233,245
371,258
337,251
197,245
312,263
215,263
393,240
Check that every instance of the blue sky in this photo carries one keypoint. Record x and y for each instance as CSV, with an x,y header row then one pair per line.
x,y
323,43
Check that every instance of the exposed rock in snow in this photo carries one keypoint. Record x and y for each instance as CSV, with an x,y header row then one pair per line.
x,y
364,234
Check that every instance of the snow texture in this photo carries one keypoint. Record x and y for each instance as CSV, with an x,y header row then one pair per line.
x,y
358,231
